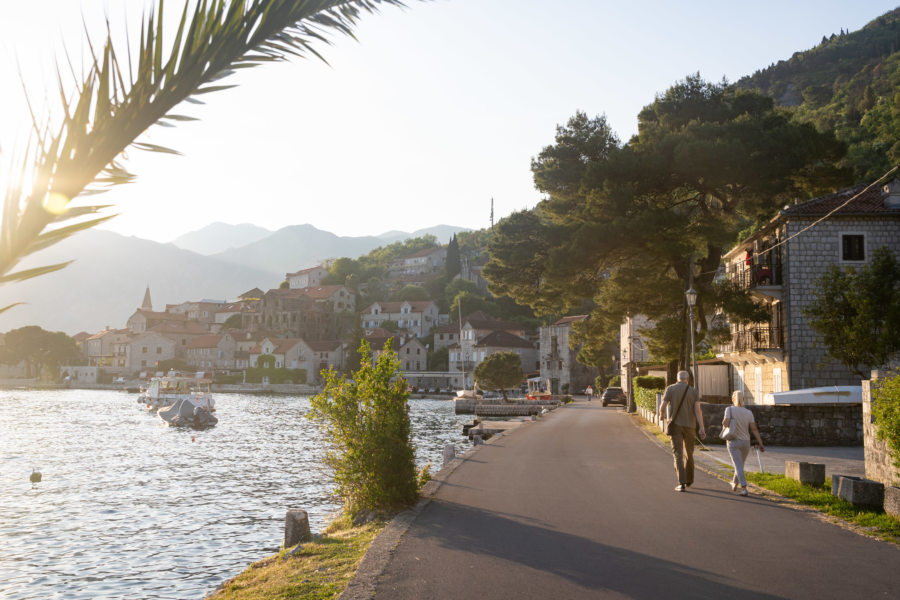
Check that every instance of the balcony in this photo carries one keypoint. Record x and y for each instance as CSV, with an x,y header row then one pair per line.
x,y
764,343
761,278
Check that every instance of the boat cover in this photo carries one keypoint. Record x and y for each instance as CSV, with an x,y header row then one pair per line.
x,y
184,414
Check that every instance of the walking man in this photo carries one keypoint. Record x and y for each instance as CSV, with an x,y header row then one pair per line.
x,y
589,391
685,403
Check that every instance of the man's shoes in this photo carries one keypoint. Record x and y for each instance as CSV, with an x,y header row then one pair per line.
x,y
734,486
744,492
680,487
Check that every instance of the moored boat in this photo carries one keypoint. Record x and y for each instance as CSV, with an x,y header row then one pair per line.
x,y
167,390
537,391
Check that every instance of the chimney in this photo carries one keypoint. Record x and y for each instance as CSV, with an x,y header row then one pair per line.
x,y
892,194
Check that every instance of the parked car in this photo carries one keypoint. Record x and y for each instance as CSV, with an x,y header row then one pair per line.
x,y
613,394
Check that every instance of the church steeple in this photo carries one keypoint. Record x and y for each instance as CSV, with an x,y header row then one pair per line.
x,y
147,304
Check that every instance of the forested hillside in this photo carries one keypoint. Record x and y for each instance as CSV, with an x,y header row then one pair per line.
x,y
850,83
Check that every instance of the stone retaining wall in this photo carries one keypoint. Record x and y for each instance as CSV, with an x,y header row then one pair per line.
x,y
879,460
807,425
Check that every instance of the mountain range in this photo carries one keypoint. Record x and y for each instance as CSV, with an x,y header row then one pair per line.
x,y
106,283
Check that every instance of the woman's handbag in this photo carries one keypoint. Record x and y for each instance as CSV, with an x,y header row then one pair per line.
x,y
670,426
729,433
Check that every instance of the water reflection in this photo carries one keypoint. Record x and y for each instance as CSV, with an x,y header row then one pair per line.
x,y
129,508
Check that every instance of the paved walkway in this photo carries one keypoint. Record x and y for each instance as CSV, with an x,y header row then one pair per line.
x,y
581,505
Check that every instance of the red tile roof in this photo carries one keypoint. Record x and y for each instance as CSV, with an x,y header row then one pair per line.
x,y
870,202
394,307
503,339
302,271
324,345
322,292
205,341
282,345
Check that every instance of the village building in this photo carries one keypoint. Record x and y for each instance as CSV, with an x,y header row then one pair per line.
x,y
201,311
146,350
339,298
291,313
446,336
430,260
211,352
559,360
287,352
324,355
413,355
780,266
504,341
306,278
413,317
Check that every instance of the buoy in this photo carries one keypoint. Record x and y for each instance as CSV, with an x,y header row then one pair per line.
x,y
35,476
192,438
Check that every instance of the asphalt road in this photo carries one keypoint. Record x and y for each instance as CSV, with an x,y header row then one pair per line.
x,y
582,505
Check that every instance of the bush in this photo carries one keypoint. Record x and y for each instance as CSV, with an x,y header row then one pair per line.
x,y
615,381
886,412
228,379
645,398
366,423
650,382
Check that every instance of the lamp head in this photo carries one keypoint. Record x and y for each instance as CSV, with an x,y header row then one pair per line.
x,y
691,296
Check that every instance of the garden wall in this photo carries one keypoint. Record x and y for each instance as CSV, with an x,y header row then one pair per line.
x,y
879,461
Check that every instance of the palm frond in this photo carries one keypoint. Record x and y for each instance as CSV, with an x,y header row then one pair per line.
x,y
112,106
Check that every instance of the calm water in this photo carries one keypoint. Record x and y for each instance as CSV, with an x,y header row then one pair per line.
x,y
129,508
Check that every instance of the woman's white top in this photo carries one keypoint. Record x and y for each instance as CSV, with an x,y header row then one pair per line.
x,y
740,421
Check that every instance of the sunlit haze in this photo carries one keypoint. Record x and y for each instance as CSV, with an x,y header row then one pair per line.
x,y
434,111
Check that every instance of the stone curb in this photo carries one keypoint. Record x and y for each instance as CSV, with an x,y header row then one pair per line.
x,y
379,554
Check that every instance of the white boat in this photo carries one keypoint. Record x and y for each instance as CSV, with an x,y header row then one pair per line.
x,y
167,390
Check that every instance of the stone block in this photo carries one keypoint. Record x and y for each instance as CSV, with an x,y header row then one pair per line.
x,y
296,527
892,501
449,454
804,472
862,493
477,439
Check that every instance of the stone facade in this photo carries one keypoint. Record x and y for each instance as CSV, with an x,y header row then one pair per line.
x,y
807,259
799,425
559,360
879,460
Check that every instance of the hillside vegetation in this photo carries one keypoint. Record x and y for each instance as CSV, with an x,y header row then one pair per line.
x,y
850,82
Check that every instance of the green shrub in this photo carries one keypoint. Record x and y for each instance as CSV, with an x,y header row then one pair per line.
x,y
615,381
650,382
366,422
228,379
886,412
645,398
566,399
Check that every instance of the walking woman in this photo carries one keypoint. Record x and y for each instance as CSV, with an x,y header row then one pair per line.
x,y
742,422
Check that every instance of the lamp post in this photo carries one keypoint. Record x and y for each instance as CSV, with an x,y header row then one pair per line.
x,y
691,296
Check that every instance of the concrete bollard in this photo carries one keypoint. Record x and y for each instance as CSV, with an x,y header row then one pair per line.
x,y
296,527
449,454
892,501
804,472
533,418
477,439
863,493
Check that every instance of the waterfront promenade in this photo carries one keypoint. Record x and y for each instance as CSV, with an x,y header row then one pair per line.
x,y
581,505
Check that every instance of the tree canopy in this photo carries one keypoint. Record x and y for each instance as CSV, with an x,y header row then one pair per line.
x,y
857,313
499,371
630,225
43,351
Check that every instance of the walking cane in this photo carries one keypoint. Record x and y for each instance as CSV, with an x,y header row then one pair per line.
x,y
759,458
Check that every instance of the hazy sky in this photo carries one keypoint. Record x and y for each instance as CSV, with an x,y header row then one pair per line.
x,y
435,110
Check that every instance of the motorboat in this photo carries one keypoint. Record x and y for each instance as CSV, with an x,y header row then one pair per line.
x,y
537,390
185,413
167,390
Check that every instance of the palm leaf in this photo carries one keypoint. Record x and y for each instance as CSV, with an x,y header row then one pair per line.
x,y
112,108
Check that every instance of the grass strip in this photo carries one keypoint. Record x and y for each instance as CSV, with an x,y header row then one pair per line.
x,y
875,522
320,571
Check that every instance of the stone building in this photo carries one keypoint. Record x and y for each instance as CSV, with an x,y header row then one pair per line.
x,y
558,360
781,264
292,313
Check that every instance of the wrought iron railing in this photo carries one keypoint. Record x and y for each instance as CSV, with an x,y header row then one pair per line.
x,y
755,338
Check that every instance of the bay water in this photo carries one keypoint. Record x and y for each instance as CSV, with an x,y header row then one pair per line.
x,y
130,508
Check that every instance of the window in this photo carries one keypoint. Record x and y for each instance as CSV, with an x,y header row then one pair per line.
x,y
144,350
776,380
853,247
158,350
143,363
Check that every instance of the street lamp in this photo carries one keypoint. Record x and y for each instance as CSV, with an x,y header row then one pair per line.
x,y
691,296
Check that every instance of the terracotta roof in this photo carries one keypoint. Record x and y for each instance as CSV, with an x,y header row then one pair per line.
x,y
81,336
254,293
571,319
282,345
324,345
322,292
504,339
205,341
302,271
871,202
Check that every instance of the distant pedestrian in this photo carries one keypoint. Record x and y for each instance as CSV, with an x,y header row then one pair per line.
x,y
589,391
685,403
742,422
